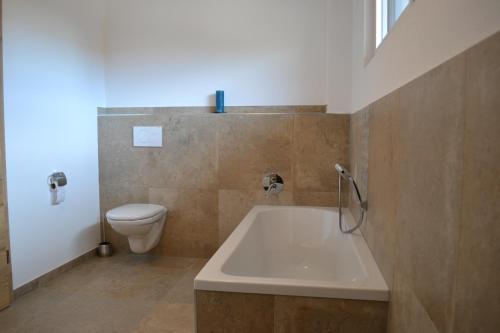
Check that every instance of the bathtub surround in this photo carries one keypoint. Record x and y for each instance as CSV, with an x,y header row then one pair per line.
x,y
247,313
293,269
209,172
433,181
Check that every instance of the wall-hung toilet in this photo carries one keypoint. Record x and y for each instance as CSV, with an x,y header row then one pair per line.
x,y
141,223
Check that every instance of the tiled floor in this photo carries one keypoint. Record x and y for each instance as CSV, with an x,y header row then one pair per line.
x,y
124,293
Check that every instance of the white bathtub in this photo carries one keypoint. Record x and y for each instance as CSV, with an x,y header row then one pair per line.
x,y
297,251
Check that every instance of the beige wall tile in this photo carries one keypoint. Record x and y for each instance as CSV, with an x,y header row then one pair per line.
x,y
119,162
234,205
318,199
477,296
319,141
358,148
251,146
188,159
406,313
191,228
311,315
358,155
380,229
233,312
431,150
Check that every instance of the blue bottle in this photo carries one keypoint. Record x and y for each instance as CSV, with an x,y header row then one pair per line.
x,y
219,101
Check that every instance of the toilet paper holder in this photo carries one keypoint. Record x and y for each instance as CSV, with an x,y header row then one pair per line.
x,y
57,179
57,182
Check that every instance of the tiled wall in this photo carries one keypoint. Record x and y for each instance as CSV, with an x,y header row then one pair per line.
x,y
210,169
429,156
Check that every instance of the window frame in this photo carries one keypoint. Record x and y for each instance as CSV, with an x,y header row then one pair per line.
x,y
386,18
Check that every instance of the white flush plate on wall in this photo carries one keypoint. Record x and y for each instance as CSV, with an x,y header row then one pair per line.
x,y
148,136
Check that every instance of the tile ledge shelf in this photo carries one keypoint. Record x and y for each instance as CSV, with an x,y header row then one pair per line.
x,y
230,110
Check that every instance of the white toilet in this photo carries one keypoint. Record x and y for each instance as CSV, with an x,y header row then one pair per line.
x,y
141,223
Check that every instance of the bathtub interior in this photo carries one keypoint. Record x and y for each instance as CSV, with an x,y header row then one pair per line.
x,y
297,244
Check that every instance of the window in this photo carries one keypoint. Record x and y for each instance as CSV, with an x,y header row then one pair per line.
x,y
387,13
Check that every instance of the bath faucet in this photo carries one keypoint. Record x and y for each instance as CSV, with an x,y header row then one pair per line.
x,y
363,205
270,189
273,184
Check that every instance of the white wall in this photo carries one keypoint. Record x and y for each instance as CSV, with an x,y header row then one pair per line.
x,y
428,33
178,52
53,83
339,54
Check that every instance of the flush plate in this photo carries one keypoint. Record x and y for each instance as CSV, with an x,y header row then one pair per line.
x,y
148,136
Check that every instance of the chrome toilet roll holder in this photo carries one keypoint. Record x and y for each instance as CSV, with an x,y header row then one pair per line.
x,y
56,182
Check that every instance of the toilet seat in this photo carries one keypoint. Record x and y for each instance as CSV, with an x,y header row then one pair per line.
x,y
135,212
148,220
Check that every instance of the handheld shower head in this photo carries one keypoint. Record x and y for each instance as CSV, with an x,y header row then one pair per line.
x,y
343,173
347,176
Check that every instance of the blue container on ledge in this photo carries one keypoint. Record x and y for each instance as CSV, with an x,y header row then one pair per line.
x,y
219,101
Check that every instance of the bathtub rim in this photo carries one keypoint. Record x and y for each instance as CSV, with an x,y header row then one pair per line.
x,y
212,278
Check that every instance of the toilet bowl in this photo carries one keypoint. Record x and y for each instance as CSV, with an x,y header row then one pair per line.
x,y
141,223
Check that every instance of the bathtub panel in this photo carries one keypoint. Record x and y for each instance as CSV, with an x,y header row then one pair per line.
x,y
234,312
312,315
254,313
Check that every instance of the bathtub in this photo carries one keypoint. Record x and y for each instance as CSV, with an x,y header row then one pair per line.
x,y
294,251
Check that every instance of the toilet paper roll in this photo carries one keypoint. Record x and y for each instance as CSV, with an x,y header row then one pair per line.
x,y
57,194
